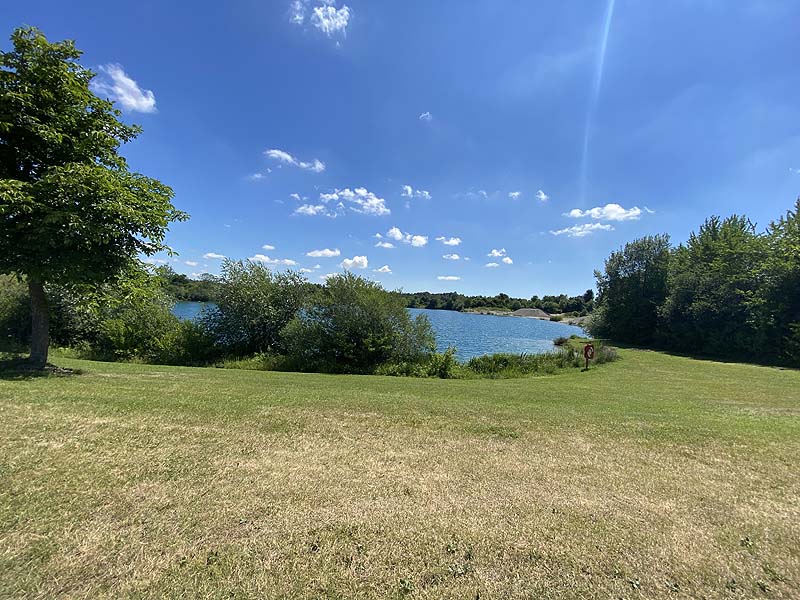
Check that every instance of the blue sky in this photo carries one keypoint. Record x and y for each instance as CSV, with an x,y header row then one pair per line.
x,y
515,134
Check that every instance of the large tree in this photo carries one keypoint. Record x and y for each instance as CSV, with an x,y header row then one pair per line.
x,y
70,210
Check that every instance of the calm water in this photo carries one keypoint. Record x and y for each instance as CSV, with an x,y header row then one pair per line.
x,y
471,334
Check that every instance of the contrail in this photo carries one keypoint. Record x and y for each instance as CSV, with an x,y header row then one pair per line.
x,y
598,81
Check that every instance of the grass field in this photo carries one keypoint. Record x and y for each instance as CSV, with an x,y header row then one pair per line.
x,y
654,476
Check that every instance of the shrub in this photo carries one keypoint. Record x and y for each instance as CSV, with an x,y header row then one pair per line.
x,y
556,317
253,305
442,364
352,325
560,341
15,312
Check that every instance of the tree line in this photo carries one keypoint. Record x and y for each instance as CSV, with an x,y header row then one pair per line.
x,y
729,291
577,305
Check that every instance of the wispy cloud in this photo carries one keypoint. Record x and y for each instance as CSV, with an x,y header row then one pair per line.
x,y
514,195
418,241
359,200
453,241
492,265
507,260
357,262
191,263
609,212
268,247
316,165
451,257
213,256
384,269
426,116
116,85
582,230
410,192
448,278
497,253
541,196
324,253
386,245
286,262
322,14
311,210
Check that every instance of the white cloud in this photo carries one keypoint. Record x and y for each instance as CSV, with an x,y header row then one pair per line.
x,y
426,116
609,212
255,176
495,253
451,257
306,270
383,269
795,171
359,200
357,262
386,245
295,196
192,263
331,20
286,262
410,192
453,241
328,276
514,195
316,165
492,265
324,16
324,253
310,210
115,84
582,230
268,247
156,261
541,196
448,278
418,241
507,260
213,256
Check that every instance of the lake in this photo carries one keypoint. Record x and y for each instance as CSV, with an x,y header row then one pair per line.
x,y
471,334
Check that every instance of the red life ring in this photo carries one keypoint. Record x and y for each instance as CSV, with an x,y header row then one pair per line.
x,y
588,351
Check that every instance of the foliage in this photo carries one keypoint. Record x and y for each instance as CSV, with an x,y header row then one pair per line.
x,y
714,280
130,319
631,289
15,312
253,305
71,210
501,302
354,325
729,291
182,287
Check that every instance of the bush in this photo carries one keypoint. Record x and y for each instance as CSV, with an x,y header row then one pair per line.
x,y
560,341
15,312
442,364
556,318
253,305
353,325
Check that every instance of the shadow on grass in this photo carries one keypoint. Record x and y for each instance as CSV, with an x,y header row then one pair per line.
x,y
17,369
744,360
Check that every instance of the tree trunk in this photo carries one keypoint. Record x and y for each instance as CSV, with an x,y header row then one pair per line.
x,y
40,323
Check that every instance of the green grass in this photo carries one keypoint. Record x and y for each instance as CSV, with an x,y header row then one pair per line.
x,y
653,476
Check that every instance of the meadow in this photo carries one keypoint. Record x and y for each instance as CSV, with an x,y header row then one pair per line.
x,y
654,476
